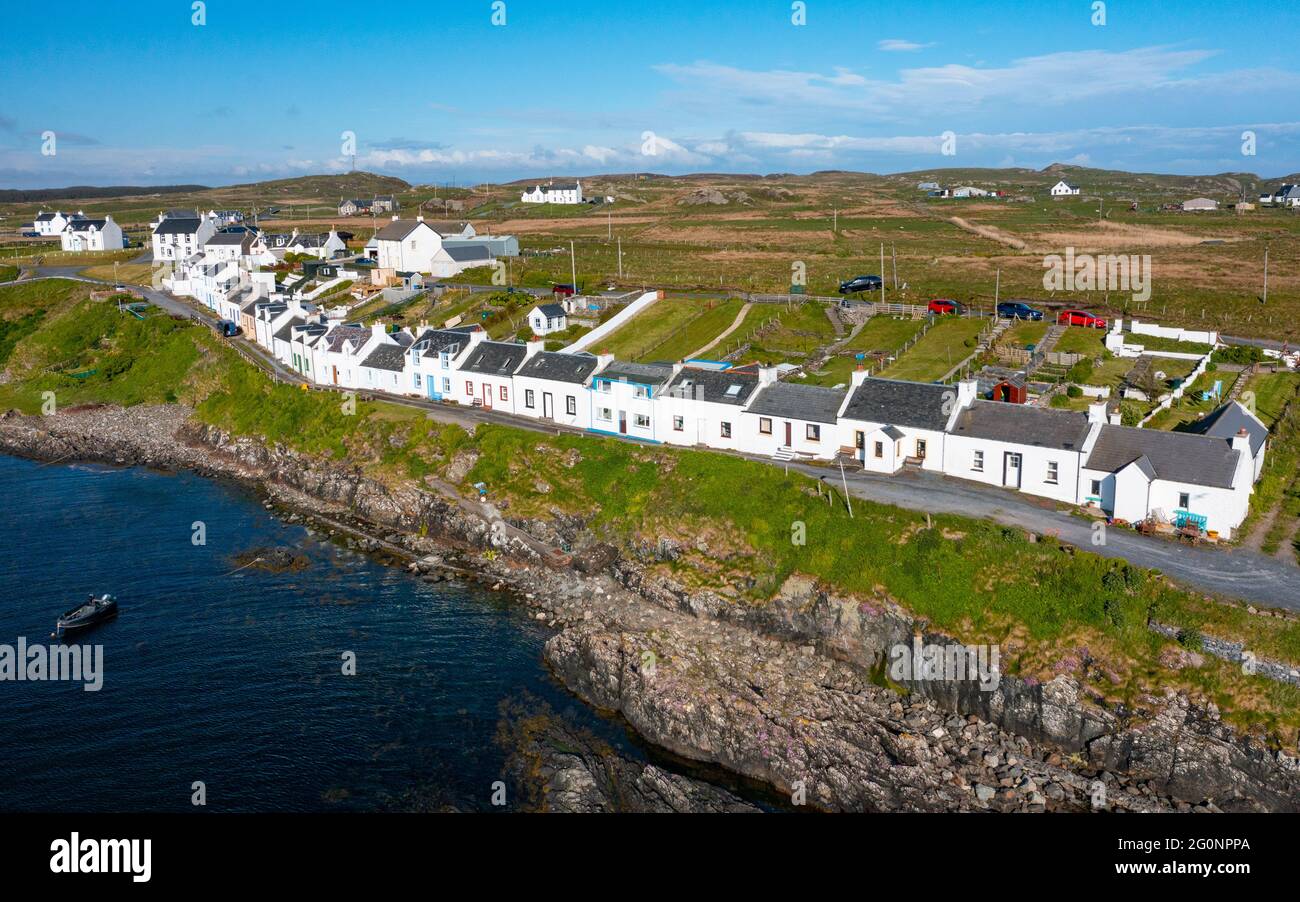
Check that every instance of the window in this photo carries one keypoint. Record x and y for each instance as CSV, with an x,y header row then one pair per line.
x,y
642,421
446,383
571,406
1184,500
880,449
417,380
726,430
1096,487
604,385
679,424
1052,472
604,413
641,391
528,398
503,394
764,425
813,432
469,388
978,463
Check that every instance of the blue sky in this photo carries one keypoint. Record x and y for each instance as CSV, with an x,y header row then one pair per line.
x,y
434,91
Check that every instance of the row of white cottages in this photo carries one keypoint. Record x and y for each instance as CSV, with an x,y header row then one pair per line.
x,y
1076,458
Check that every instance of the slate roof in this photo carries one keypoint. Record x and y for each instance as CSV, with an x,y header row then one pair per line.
x,y
286,331
227,238
387,357
467,252
792,401
439,340
1226,421
447,227
345,333
84,225
551,310
1017,424
45,217
398,229
652,374
495,358
181,214
177,225
714,386
557,367
1173,456
918,405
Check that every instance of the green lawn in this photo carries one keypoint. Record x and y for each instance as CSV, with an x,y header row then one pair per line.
x,y
1270,394
946,344
881,333
670,328
8,273
1082,340
1023,334
805,328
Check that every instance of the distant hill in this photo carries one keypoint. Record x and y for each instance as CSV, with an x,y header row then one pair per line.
x,y
17,196
351,184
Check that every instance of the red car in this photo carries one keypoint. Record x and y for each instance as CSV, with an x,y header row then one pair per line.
x,y
943,306
1080,318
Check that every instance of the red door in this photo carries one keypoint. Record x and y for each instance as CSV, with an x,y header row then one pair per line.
x,y
787,435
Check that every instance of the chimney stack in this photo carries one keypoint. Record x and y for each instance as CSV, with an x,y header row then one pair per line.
x,y
859,375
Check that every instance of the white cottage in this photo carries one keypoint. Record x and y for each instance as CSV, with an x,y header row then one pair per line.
x,y
623,397
92,235
552,386
547,318
787,420
1064,189
886,423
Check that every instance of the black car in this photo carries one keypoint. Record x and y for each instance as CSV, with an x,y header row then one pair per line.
x,y
861,283
1018,310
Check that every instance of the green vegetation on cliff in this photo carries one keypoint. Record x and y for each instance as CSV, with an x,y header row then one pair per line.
x,y
736,527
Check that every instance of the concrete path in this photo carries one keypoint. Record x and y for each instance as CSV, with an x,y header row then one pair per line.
x,y
735,324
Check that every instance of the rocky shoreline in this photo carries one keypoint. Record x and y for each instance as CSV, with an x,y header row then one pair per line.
x,y
787,694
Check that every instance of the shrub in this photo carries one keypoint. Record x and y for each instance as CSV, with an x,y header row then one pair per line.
x,y
1074,391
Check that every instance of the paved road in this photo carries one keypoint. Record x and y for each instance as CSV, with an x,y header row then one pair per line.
x,y
1232,571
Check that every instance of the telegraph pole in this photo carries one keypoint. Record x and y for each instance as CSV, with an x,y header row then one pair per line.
x,y
882,272
573,266
620,256
1265,276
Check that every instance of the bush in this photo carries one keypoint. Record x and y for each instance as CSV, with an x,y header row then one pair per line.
x,y
1074,391
1080,373
1242,355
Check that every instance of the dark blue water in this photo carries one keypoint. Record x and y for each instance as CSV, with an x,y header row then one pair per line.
x,y
235,680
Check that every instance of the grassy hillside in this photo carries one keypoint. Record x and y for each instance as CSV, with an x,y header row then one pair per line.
x,y
1052,609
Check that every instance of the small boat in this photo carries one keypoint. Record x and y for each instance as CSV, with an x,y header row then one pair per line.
x,y
93,611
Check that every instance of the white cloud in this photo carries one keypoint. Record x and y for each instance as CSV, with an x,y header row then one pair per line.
x,y
896,45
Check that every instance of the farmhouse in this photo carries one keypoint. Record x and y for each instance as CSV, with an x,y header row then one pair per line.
x,y
1064,189
177,237
92,235
51,225
547,318
564,193
407,245
355,206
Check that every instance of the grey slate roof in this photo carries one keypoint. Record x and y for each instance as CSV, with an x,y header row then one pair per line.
x,y
919,405
1226,421
387,357
715,386
398,229
1021,425
466,252
439,340
340,335
495,358
285,331
228,238
1173,456
84,225
559,367
798,402
447,227
551,310
652,374
178,225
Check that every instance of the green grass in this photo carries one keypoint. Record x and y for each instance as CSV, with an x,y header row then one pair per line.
x,y
1082,340
8,273
943,347
670,328
731,517
881,334
1270,393
1024,334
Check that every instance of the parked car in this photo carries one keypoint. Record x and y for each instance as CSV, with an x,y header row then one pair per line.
x,y
1018,310
228,328
944,306
564,291
862,283
30,234
1080,318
